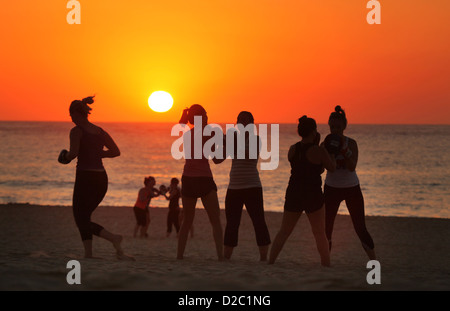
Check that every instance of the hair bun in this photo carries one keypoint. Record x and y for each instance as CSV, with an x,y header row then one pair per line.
x,y
338,114
302,118
88,100
306,126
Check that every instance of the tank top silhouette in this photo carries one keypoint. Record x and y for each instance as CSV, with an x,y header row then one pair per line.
x,y
195,167
91,148
304,172
342,177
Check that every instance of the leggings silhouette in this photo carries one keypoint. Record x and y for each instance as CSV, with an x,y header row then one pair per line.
x,y
90,189
355,203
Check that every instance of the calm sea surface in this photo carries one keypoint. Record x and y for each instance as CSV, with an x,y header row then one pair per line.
x,y
404,170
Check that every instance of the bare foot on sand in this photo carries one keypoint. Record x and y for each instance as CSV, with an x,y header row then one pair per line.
x,y
117,240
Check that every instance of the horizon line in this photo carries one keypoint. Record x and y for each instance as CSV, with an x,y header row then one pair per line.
x,y
160,122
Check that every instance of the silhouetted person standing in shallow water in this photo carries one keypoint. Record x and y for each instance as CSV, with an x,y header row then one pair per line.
x,y
343,183
87,142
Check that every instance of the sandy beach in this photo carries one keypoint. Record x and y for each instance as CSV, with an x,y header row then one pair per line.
x,y
38,241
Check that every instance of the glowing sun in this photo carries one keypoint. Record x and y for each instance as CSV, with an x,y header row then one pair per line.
x,y
160,101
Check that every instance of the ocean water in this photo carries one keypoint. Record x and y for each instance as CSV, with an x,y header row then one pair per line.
x,y
404,170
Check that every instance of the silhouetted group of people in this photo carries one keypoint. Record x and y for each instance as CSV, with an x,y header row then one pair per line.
x,y
308,158
141,207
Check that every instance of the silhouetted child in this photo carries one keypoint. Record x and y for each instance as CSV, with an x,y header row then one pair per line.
x,y
174,206
141,206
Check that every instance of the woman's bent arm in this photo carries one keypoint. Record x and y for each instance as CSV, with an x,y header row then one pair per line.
x,y
113,151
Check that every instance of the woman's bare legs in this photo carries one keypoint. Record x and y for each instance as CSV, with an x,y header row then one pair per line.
x,y
317,221
287,226
227,251
188,218
211,204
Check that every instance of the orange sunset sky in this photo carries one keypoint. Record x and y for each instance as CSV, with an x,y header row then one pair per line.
x,y
278,59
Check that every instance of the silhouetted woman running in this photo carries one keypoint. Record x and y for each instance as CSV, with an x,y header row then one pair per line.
x,y
91,182
343,183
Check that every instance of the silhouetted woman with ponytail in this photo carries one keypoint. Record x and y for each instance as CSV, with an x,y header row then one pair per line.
x,y
343,183
197,182
87,142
